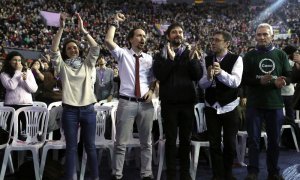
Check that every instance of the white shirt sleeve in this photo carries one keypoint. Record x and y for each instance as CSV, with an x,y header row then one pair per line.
x,y
234,79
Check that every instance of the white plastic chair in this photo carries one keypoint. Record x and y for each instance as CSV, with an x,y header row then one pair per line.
x,y
293,134
7,115
161,144
297,120
55,144
240,146
36,129
196,145
100,141
156,105
52,105
113,102
39,104
1,104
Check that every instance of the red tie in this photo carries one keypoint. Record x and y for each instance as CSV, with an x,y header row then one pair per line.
x,y
137,91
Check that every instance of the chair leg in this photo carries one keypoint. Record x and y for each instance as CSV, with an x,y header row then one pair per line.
x,y
4,163
10,164
161,149
295,139
35,156
111,153
196,151
154,155
83,164
241,149
43,161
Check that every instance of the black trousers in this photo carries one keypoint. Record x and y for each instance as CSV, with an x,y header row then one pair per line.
x,y
178,117
222,160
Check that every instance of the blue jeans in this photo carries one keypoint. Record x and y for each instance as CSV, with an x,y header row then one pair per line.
x,y
72,117
273,119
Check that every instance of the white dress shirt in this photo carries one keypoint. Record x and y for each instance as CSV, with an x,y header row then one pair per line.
x,y
126,64
232,80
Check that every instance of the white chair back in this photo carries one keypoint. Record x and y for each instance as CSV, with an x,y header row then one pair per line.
x,y
1,104
102,113
39,104
110,104
5,113
104,101
54,104
156,104
200,117
36,123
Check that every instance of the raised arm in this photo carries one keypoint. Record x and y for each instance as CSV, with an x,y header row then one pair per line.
x,y
113,24
89,38
57,37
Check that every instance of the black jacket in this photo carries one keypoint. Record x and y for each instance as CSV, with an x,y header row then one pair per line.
x,y
177,78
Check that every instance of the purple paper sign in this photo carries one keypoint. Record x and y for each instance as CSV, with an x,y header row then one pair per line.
x,y
51,19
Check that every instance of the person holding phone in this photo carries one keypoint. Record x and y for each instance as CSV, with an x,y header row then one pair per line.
x,y
19,83
76,75
222,76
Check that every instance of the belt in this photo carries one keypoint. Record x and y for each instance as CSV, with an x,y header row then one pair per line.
x,y
76,107
134,99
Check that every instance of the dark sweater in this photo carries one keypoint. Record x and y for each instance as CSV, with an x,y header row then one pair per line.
x,y
176,78
257,64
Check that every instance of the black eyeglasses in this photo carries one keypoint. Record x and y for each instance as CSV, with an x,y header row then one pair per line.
x,y
216,40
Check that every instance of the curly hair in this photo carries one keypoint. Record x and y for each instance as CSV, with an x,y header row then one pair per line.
x,y
64,53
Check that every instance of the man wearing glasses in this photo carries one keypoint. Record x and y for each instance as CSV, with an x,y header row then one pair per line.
x,y
222,75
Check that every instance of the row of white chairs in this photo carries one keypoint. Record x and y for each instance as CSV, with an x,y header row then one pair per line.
x,y
103,109
36,131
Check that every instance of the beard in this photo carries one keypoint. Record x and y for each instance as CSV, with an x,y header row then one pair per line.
x,y
141,46
176,42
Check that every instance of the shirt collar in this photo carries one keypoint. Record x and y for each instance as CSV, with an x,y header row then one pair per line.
x,y
132,52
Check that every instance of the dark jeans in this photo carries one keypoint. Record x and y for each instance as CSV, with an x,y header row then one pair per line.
x,y
178,117
222,160
72,117
273,119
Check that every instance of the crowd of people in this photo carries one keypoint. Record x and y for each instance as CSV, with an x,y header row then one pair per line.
x,y
204,45
23,27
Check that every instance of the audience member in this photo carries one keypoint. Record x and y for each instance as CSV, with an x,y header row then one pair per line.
x,y
266,71
78,96
221,79
176,67
135,68
104,86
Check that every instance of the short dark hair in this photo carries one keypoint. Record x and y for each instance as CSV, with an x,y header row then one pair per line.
x,y
289,49
172,26
64,53
131,34
226,35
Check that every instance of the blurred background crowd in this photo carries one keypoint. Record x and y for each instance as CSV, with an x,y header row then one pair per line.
x,y
22,27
